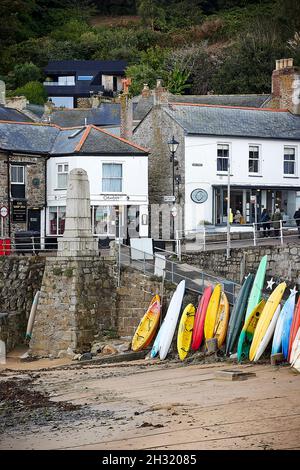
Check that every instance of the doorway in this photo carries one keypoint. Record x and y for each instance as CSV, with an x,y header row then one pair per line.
x,y
34,220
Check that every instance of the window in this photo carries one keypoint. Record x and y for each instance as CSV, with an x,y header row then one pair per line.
x,y
223,155
253,159
57,217
289,162
112,177
69,80
85,77
62,175
17,175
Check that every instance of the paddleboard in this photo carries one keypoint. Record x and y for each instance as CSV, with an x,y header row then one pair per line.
x,y
266,318
211,312
200,318
185,331
247,332
295,326
286,329
237,316
222,319
277,339
258,283
32,315
171,320
268,335
147,326
295,347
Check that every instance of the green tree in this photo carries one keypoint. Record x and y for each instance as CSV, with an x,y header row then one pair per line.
x,y
34,92
24,73
152,13
178,81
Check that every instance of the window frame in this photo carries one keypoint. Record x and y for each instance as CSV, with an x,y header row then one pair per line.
x,y
114,177
17,166
227,144
259,160
290,175
60,221
62,173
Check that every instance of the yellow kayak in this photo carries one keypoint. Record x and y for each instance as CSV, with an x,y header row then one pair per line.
x,y
265,318
222,319
147,327
185,331
211,313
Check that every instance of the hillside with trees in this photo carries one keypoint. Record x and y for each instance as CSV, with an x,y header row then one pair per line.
x,y
196,46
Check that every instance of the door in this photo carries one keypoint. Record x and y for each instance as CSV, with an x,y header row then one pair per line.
x,y
34,220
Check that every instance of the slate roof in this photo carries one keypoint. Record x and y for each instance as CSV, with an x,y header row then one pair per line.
x,y
235,122
108,114
143,105
84,66
10,114
53,140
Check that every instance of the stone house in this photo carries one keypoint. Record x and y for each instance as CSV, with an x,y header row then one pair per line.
x,y
260,143
35,160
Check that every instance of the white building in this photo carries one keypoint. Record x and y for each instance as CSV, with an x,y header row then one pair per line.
x,y
118,176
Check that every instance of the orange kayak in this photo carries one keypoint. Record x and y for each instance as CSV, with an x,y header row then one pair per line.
x,y
147,326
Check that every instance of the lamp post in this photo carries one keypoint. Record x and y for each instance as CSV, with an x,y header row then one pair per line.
x,y
228,210
173,145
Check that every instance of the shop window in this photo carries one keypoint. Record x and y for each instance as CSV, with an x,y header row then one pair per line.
x,y
57,217
222,158
253,159
289,163
112,177
62,175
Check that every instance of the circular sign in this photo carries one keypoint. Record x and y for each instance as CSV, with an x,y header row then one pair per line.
x,y
36,182
4,211
199,196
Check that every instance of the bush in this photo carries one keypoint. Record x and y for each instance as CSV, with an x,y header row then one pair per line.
x,y
24,73
34,92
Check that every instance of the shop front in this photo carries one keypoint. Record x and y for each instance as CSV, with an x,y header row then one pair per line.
x,y
251,201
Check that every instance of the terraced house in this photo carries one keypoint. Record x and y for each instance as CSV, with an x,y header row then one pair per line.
x,y
35,160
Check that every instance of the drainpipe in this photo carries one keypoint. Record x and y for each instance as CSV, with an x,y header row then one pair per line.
x,y
8,193
45,205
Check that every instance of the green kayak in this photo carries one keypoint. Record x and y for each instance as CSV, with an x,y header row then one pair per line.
x,y
248,330
258,283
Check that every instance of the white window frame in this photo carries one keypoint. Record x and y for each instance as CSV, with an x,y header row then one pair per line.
x,y
255,173
290,175
117,177
17,166
64,172
224,172
58,208
66,80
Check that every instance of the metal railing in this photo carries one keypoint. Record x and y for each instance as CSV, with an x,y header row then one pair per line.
x,y
196,280
256,234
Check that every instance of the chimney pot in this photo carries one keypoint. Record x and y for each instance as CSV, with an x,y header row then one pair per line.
x,y
278,64
290,62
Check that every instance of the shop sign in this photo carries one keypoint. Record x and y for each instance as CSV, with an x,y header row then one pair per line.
x,y
114,197
19,211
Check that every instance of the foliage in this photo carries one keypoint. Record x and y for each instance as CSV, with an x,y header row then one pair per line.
x,y
34,92
178,80
24,73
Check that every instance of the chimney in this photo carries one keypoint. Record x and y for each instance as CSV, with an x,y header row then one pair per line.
x,y
2,93
17,102
160,94
286,86
126,111
146,91
48,107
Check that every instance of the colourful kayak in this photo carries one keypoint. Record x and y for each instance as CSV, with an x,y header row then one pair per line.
x,y
287,323
247,332
268,335
266,318
211,313
148,325
200,318
257,287
277,338
185,331
222,319
237,316
295,326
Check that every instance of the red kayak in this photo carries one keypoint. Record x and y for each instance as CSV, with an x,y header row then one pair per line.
x,y
294,327
200,318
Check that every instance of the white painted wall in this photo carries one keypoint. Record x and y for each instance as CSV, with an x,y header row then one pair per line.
x,y
135,182
107,82
203,150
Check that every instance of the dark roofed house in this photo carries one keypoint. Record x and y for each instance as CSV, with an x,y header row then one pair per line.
x,y
70,82
10,114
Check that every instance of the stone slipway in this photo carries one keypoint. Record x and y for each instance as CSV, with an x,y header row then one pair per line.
x,y
148,405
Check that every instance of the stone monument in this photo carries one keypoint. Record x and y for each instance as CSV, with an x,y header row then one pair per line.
x,y
77,239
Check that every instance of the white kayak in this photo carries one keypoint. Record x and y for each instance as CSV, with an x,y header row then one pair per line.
x,y
32,315
269,333
171,320
295,353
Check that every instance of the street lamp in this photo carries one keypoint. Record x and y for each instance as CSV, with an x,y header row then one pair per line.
x,y
173,145
228,210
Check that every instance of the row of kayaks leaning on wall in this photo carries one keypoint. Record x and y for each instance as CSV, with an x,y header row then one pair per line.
x,y
247,330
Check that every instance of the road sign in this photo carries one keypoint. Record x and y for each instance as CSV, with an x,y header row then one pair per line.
x,y
169,198
4,211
